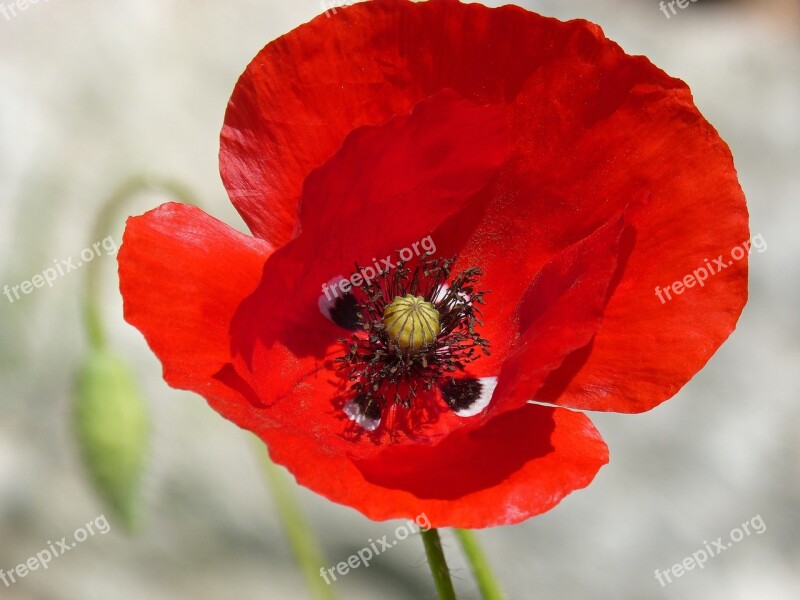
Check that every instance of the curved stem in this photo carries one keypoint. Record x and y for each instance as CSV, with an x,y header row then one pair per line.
x,y
487,584
301,538
438,564
103,223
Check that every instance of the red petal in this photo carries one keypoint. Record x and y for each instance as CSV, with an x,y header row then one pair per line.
x,y
182,276
594,128
513,468
612,133
560,312
386,189
305,91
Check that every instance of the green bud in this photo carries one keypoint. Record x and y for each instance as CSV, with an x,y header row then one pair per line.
x,y
113,431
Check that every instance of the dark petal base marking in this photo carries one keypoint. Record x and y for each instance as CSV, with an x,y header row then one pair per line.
x,y
379,371
468,397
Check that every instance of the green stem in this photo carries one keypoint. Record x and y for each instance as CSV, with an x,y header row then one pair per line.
x,y
438,564
103,224
490,590
301,538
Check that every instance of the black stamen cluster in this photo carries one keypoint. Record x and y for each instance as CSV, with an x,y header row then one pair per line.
x,y
380,371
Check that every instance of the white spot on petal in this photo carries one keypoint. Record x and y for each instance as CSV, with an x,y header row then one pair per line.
x,y
354,413
330,293
441,294
488,384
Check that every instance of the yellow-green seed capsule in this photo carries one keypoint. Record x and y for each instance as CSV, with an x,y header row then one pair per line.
x,y
411,322
113,431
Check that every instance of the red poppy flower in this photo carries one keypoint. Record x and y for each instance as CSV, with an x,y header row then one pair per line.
x,y
455,211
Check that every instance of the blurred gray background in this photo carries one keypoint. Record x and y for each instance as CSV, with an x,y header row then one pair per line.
x,y
93,92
